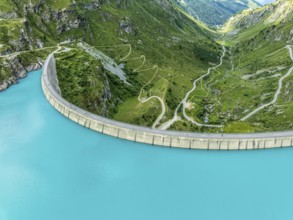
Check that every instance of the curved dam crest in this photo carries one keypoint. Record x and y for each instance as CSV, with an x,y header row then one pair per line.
x,y
187,140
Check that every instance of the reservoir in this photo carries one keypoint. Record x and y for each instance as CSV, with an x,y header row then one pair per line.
x,y
52,168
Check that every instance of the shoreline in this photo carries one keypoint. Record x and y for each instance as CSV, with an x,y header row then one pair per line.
x,y
187,140
14,80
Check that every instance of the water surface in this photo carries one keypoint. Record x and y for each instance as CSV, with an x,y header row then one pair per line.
x,y
54,169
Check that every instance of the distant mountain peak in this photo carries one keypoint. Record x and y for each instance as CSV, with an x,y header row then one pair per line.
x,y
216,12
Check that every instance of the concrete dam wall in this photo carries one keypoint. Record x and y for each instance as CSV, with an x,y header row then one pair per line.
x,y
186,140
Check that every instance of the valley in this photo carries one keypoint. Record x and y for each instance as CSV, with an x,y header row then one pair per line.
x,y
151,64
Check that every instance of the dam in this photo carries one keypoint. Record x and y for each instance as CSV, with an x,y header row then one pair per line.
x,y
187,140
53,168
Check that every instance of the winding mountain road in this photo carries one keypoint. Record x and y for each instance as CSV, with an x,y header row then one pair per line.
x,y
139,70
231,60
25,51
167,124
184,102
278,92
129,53
142,64
143,100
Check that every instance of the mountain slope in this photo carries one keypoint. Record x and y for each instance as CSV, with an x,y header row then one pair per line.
x,y
251,91
149,40
272,14
216,12
260,41
150,63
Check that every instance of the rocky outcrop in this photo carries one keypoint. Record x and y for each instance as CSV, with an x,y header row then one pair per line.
x,y
126,26
273,13
94,5
68,20
271,23
106,97
24,42
18,71
9,15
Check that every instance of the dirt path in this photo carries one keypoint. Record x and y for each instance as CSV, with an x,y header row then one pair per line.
x,y
167,124
129,53
231,60
139,70
278,92
144,100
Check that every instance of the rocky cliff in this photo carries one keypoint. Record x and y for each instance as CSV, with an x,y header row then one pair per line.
x,y
16,70
273,22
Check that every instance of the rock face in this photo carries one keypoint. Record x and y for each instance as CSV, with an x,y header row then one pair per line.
x,y
105,97
10,15
68,20
126,26
273,13
276,20
18,33
18,70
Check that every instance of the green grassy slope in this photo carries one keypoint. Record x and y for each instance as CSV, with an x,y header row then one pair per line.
x,y
162,50
257,59
146,34
257,41
262,43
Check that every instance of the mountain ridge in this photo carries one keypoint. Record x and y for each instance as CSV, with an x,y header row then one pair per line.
x,y
217,11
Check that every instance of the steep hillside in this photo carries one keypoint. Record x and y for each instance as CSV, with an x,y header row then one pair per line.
x,y
259,42
17,36
157,48
216,12
251,89
273,14
150,63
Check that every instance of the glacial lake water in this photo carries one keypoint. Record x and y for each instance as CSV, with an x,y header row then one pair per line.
x,y
54,169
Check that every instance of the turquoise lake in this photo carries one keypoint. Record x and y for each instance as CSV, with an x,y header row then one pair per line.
x,y
54,169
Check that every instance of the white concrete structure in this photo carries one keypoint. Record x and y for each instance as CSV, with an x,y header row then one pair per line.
x,y
152,136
